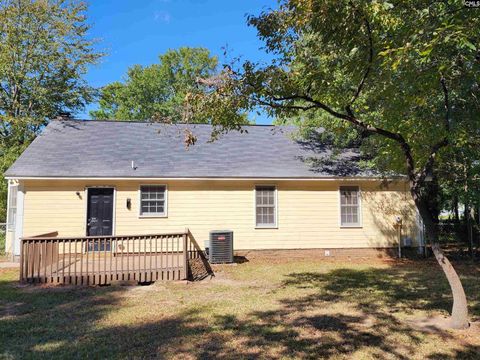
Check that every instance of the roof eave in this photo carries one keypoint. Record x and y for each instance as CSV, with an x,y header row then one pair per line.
x,y
231,178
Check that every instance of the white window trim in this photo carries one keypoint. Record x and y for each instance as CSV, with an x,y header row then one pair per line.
x,y
360,208
269,226
86,206
152,215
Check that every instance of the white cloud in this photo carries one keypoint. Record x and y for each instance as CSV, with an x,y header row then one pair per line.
x,y
162,16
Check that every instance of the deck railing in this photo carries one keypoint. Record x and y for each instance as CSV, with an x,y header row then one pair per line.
x,y
198,265
104,259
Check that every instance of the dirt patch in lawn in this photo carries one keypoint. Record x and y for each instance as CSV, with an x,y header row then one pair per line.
x,y
441,325
313,255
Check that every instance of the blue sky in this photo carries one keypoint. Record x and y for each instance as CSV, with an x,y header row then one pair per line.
x,y
137,31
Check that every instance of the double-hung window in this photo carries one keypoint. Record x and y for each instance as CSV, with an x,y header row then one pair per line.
x,y
153,200
266,206
350,212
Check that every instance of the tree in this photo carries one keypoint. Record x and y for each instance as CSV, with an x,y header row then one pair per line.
x,y
460,173
404,71
44,53
158,91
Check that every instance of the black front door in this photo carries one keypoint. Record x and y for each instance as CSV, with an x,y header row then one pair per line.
x,y
100,211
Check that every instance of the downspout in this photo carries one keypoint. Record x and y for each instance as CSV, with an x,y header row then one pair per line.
x,y
398,226
421,234
399,241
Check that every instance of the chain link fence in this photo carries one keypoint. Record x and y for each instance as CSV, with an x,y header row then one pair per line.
x,y
455,238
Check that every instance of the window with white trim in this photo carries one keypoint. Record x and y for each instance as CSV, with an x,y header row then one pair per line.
x,y
350,206
12,207
265,206
153,200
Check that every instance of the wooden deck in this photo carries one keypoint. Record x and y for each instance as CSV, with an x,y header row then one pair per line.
x,y
102,260
98,269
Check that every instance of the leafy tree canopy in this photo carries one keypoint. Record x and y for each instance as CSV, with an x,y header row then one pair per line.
x,y
159,91
44,53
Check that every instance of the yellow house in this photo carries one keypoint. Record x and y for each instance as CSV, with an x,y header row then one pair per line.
x,y
98,178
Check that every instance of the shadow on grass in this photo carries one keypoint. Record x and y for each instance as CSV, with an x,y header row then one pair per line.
x,y
407,287
34,320
64,323
469,352
240,259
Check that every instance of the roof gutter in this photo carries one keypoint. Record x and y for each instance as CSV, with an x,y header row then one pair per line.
x,y
329,178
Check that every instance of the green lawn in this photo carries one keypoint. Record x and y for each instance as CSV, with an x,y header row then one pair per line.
x,y
258,309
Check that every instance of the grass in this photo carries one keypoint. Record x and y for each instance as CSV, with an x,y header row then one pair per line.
x,y
263,308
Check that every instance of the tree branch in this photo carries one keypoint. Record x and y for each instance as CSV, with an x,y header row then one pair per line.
x,y
283,106
349,117
447,103
442,143
369,66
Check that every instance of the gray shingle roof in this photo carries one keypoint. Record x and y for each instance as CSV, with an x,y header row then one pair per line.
x,y
76,148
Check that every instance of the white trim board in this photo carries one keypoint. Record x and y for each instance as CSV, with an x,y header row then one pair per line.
x,y
19,219
10,231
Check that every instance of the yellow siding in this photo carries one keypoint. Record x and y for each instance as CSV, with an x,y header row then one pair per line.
x,y
308,212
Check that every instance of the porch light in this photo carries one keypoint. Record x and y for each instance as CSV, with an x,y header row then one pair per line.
x,y
129,203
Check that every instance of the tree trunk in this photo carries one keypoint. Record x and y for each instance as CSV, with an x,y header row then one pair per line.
x,y
455,210
469,215
459,316
477,221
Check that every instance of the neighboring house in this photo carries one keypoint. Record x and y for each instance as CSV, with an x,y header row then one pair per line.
x,y
122,178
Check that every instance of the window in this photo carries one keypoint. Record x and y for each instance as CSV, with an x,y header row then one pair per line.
x,y
153,200
349,206
265,206
12,207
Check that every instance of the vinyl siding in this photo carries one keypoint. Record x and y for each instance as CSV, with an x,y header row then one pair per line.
x,y
308,211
